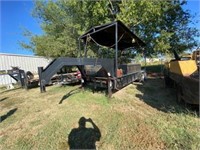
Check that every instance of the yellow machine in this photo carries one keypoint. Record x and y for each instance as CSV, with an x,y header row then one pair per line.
x,y
184,76
182,67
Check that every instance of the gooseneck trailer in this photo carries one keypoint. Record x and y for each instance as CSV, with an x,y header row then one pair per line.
x,y
107,72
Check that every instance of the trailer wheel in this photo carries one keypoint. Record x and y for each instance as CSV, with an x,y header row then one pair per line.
x,y
179,94
29,75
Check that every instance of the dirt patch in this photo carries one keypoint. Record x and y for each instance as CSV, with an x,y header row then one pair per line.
x,y
147,137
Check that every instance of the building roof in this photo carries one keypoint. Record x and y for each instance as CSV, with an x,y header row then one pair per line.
x,y
20,55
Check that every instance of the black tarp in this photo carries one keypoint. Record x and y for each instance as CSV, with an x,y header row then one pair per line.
x,y
104,35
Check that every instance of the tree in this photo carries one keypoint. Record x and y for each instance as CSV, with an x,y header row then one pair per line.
x,y
162,25
63,22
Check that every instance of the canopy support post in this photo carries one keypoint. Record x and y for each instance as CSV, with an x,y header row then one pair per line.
x,y
116,48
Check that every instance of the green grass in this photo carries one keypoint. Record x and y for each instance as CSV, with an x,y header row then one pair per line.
x,y
136,117
178,134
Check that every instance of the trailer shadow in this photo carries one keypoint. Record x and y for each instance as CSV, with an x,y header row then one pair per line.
x,y
87,87
74,91
155,94
3,99
5,91
90,87
8,114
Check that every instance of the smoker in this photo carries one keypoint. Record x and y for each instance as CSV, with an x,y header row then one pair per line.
x,y
110,75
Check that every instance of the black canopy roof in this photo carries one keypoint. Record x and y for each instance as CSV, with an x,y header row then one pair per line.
x,y
105,35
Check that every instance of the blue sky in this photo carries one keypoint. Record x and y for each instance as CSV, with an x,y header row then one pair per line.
x,y
16,15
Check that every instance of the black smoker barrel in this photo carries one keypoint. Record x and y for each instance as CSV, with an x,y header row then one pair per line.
x,y
130,68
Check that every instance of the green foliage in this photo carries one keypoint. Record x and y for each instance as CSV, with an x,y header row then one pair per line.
x,y
162,25
154,68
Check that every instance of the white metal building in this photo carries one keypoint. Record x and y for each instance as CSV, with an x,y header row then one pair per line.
x,y
24,62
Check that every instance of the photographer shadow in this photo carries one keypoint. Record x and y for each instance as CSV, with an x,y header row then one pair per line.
x,y
82,137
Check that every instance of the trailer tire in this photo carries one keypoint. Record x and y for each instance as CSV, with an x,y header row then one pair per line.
x,y
29,75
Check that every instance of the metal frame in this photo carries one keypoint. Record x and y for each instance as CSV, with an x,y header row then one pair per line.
x,y
110,65
46,74
116,48
19,76
22,78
